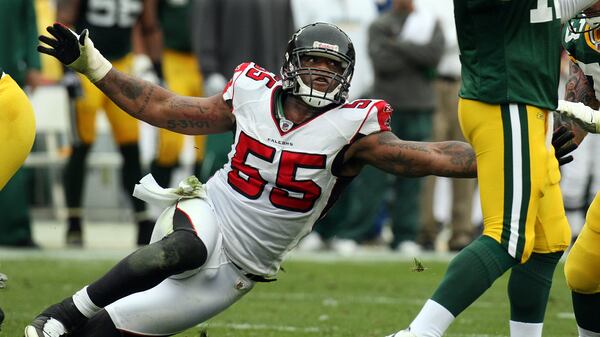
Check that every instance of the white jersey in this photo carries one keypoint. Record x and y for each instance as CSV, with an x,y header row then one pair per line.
x,y
277,184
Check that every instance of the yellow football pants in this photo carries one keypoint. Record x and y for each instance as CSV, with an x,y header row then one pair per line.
x,y
183,77
17,128
518,177
125,129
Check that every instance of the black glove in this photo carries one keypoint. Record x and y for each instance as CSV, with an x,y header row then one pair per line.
x,y
75,51
561,140
65,46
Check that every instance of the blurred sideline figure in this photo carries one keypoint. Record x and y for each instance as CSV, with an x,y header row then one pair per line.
x,y
446,127
111,23
298,142
21,65
352,219
181,75
582,268
405,46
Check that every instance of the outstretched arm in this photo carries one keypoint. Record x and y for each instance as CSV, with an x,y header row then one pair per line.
x,y
413,159
142,100
157,106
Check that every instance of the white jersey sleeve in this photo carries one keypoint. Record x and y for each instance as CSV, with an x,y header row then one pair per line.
x,y
378,118
248,81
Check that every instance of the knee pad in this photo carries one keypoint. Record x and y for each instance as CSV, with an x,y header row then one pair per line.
x,y
189,231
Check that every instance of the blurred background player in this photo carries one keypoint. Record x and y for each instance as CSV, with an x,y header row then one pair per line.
x,y
582,268
21,67
110,24
181,75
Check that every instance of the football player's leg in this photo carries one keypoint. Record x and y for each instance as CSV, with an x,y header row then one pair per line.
x,y
192,236
509,204
17,125
582,271
530,283
83,119
167,156
199,297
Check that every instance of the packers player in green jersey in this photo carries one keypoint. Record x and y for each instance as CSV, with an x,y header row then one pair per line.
x,y
183,76
581,39
110,22
510,54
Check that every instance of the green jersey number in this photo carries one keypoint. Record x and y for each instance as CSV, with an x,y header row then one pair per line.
x,y
543,12
111,13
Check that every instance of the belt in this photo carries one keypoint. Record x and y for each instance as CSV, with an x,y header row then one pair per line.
x,y
253,277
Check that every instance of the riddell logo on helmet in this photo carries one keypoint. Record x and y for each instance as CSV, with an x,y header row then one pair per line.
x,y
324,45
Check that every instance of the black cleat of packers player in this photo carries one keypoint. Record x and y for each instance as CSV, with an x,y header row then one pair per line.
x,y
56,321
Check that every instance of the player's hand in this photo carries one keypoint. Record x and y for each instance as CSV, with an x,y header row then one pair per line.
x,y
75,51
586,117
563,145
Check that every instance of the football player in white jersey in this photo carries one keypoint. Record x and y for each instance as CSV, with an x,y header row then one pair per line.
x,y
297,142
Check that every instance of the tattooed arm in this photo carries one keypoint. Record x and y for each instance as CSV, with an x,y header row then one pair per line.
x,y
157,106
412,159
577,89
142,100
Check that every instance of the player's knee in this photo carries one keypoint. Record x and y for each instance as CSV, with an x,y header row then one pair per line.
x,y
180,251
579,278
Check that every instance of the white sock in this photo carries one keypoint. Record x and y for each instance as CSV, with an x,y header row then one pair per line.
x,y
84,303
587,333
432,320
522,329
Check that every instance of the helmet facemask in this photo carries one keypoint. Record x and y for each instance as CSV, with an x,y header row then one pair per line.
x,y
592,21
339,83
304,79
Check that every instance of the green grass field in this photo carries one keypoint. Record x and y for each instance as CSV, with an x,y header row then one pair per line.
x,y
331,299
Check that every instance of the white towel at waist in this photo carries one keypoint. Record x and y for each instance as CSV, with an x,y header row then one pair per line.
x,y
150,191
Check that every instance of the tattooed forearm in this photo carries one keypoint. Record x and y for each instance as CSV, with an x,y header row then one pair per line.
x,y
579,89
460,160
132,95
155,105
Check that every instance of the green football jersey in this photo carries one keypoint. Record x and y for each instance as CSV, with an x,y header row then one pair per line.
x,y
585,49
110,23
509,50
174,16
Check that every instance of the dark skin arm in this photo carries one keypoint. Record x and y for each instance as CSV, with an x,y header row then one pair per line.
x,y
411,159
162,108
577,89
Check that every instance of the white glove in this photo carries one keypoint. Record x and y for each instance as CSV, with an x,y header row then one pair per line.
x,y
142,67
586,117
75,51
214,84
